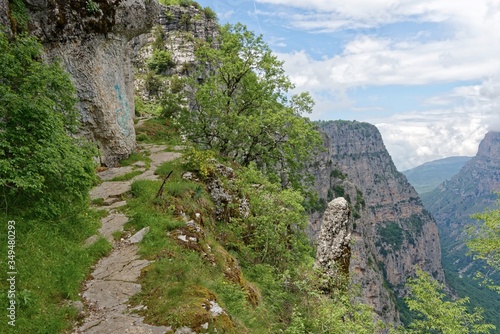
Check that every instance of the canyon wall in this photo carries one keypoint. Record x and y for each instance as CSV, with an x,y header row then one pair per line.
x,y
392,233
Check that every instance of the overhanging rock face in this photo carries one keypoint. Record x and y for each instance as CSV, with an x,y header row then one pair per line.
x,y
92,44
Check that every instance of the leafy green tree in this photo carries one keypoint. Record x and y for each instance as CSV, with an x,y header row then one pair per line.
x,y
242,109
436,314
42,168
485,242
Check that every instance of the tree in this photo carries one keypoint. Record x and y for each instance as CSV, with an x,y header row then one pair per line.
x,y
241,106
435,314
485,242
42,167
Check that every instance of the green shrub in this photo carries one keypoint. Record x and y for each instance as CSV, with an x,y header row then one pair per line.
x,y
159,38
19,16
200,161
392,235
171,105
152,83
161,61
39,163
92,7
210,14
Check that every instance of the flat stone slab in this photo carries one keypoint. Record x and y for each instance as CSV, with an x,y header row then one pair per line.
x,y
115,205
110,189
153,148
147,175
119,323
111,173
121,265
110,294
139,235
158,158
112,223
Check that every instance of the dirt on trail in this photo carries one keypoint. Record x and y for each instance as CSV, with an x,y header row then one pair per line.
x,y
114,279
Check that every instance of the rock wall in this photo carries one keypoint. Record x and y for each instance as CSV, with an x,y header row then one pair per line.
x,y
91,40
180,28
392,232
4,16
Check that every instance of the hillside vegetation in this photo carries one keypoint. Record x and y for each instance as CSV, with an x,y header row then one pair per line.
x,y
226,236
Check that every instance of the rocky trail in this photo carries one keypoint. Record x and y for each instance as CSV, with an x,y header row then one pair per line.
x,y
114,279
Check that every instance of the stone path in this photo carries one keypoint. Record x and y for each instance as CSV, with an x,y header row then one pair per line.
x,y
114,279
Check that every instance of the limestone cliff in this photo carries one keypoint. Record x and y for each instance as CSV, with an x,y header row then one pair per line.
x,y
392,232
91,40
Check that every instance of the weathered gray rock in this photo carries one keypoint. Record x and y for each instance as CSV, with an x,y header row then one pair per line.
x,y
93,47
110,189
112,223
139,235
111,173
333,252
4,16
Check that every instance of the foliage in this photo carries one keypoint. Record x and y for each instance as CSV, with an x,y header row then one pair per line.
x,y
269,253
159,130
39,163
18,16
161,61
335,312
92,7
242,108
210,14
202,162
435,314
182,3
159,38
273,233
485,242
52,264
152,83
392,235
171,105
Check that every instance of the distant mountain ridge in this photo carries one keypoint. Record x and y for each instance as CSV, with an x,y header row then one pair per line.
x,y
428,176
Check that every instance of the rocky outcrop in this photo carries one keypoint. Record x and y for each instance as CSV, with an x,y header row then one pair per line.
x,y
392,233
179,30
333,252
91,38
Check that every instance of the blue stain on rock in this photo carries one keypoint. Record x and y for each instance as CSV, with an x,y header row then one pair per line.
x,y
123,113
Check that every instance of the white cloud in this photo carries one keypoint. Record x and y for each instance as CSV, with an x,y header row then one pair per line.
x,y
225,15
331,15
467,51
416,137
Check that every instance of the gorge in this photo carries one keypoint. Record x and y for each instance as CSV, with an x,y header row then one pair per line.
x,y
107,50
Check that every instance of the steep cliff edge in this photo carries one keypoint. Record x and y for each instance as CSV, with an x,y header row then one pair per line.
x,y
91,40
392,232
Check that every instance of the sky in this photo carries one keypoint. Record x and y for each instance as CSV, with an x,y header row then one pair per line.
x,y
425,72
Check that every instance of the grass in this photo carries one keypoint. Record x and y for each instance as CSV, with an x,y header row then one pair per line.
x,y
183,278
51,264
128,176
136,157
158,131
